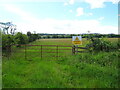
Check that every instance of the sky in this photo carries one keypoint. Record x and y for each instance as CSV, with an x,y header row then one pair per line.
x,y
61,16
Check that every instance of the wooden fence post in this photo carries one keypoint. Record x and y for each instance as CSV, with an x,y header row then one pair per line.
x,y
73,50
76,49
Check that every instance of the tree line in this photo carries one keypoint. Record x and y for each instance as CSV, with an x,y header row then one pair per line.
x,y
83,35
8,39
17,39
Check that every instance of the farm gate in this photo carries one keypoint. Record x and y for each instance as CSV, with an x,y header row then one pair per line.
x,y
54,52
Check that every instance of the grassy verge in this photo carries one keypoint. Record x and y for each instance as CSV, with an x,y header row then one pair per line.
x,y
86,70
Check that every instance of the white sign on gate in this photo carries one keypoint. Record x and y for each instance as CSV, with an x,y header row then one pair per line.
x,y
77,40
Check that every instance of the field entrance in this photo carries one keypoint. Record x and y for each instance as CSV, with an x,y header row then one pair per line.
x,y
92,70
49,52
49,49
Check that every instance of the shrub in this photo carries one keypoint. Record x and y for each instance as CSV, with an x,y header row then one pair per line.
x,y
32,37
20,38
7,41
100,44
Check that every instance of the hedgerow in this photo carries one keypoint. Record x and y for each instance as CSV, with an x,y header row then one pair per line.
x,y
18,39
100,44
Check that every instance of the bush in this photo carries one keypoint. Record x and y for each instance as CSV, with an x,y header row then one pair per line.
x,y
20,38
7,41
100,44
32,37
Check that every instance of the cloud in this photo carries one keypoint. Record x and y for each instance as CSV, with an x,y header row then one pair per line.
x,y
101,18
65,4
95,3
31,1
31,23
89,14
113,1
67,26
100,3
71,2
79,11
24,15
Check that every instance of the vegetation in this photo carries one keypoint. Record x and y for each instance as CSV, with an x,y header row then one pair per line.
x,y
20,38
102,44
96,35
95,69
85,70
8,40
7,28
32,37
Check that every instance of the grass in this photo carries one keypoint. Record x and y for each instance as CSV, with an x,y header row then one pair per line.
x,y
86,70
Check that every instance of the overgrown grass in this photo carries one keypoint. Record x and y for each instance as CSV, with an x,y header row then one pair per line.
x,y
85,70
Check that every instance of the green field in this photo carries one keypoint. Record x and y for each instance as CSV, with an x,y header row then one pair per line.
x,y
85,70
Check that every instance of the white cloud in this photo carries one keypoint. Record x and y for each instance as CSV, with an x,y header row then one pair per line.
x,y
113,1
79,11
101,18
65,4
24,15
71,2
90,14
67,26
100,3
32,1
31,23
95,3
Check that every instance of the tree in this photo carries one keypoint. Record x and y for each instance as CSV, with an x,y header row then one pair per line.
x,y
8,28
55,36
29,34
32,37
20,38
